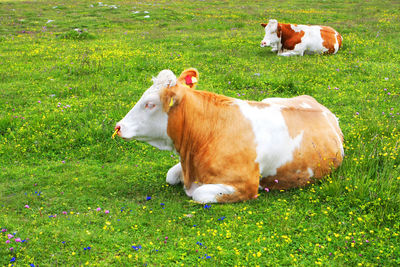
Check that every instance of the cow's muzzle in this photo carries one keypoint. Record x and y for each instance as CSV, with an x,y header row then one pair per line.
x,y
117,131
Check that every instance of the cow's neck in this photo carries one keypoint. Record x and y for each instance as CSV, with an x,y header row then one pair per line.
x,y
192,127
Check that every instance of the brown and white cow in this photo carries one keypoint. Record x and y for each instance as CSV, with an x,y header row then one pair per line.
x,y
229,147
293,39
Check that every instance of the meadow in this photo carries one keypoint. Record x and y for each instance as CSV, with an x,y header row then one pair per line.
x,y
71,195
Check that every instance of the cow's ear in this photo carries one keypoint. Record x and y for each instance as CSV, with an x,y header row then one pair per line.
x,y
264,25
189,77
171,97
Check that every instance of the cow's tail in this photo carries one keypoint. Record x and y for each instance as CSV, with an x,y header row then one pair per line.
x,y
339,40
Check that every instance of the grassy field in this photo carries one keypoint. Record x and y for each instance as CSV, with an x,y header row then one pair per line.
x,y
71,195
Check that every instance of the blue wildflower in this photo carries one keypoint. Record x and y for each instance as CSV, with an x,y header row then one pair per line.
x,y
148,198
222,218
207,206
136,247
12,259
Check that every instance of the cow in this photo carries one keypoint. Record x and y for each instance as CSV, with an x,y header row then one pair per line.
x,y
228,147
293,39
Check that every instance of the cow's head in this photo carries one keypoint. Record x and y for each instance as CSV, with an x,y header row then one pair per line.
x,y
272,37
147,120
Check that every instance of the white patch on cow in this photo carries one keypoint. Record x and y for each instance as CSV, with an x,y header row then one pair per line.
x,y
305,105
174,175
147,121
208,193
297,28
275,147
312,40
310,171
327,113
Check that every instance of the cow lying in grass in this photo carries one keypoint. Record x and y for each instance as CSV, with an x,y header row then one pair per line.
x,y
293,39
229,147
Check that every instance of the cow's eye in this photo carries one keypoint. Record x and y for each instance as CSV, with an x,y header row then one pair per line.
x,y
149,105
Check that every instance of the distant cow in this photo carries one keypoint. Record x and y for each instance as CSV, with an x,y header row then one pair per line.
x,y
293,39
229,147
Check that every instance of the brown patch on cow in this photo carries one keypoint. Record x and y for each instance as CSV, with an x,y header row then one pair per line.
x,y
289,37
264,25
215,142
319,149
329,36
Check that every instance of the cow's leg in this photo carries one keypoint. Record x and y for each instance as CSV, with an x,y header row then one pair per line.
x,y
290,53
174,175
210,193
189,192
275,47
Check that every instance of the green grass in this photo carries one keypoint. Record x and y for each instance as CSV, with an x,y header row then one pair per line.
x,y
61,93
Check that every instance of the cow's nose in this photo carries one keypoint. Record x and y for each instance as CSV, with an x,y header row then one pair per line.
x,y
117,130
263,43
